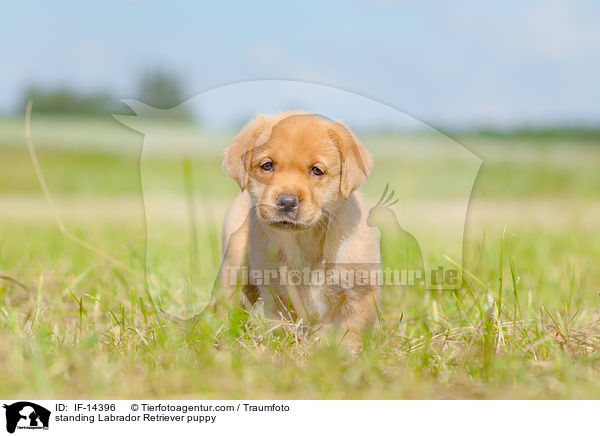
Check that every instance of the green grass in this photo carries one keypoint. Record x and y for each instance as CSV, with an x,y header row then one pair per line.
x,y
525,323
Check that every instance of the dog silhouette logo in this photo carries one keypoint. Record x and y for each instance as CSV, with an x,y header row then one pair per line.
x,y
422,233
26,415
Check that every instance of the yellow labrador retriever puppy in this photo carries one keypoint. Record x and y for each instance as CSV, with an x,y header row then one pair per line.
x,y
296,238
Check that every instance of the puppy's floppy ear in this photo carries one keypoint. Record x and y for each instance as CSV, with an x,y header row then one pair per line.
x,y
238,154
356,160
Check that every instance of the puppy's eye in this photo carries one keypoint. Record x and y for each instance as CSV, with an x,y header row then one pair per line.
x,y
267,166
317,171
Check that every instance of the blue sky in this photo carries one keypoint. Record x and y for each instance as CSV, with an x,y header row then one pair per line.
x,y
449,64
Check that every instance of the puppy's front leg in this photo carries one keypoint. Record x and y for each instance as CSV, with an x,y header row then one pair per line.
x,y
233,270
358,318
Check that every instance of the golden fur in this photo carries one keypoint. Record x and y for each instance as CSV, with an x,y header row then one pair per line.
x,y
326,227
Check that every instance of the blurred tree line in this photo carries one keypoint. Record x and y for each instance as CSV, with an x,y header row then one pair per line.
x,y
158,89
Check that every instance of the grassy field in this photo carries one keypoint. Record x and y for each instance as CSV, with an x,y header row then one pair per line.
x,y
525,323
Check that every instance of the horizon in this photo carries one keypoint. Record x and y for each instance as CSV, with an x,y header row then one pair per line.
x,y
455,67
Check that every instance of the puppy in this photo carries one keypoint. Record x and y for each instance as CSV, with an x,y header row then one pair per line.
x,y
300,213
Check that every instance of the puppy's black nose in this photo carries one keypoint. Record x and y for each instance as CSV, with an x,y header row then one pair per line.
x,y
287,203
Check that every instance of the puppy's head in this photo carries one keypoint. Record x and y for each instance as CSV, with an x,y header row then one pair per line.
x,y
296,167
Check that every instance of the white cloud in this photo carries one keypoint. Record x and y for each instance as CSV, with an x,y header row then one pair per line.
x,y
558,30
269,60
265,54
